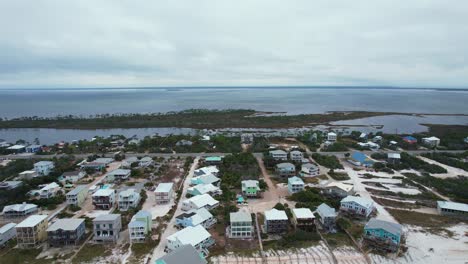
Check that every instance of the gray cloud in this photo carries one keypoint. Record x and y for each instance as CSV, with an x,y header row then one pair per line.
x,y
182,43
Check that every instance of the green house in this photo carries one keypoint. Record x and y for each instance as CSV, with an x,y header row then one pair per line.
x,y
250,188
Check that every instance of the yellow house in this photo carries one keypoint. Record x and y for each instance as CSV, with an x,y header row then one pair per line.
x,y
32,231
77,195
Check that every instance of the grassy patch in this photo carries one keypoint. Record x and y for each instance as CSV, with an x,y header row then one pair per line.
x,y
92,251
17,256
339,176
338,239
139,250
423,220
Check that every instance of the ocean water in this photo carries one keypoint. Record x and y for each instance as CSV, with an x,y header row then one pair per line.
x,y
48,102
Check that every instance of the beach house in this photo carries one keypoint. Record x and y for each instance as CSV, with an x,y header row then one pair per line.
x,y
118,175
296,156
43,168
383,234
7,232
72,176
303,218
197,236
431,142
357,206
77,196
19,210
196,217
199,201
360,159
106,228
309,170
139,226
104,199
452,209
331,136
65,232
204,189
327,216
184,254
279,155
338,189
276,221
285,169
295,184
32,231
128,199
241,225
250,188
164,192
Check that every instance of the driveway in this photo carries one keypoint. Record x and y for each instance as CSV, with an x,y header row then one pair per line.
x,y
170,229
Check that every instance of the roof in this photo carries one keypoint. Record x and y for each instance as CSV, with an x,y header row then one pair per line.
x,y
431,138
295,152
213,158
295,180
361,157
340,185
206,178
275,214
206,170
104,160
7,227
309,166
34,146
326,210
190,235
164,187
394,155
44,163
136,223
301,213
69,224
77,190
119,172
32,221
278,152
331,133
410,138
285,165
19,207
390,227
27,172
204,188
107,217
250,183
453,206
131,159
241,216
103,192
127,192
200,216
142,213
49,186
15,147
184,254
359,200
202,200
146,159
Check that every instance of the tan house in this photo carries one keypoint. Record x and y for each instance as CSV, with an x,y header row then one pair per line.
x,y
32,231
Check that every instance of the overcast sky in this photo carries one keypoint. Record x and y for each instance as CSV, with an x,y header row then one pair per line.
x,y
195,43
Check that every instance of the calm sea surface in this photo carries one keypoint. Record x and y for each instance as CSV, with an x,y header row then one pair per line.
x,y
48,103
16,103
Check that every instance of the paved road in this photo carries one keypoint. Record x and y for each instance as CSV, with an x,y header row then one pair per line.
x,y
167,155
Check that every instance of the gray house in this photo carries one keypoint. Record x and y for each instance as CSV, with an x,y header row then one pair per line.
x,y
184,254
7,232
106,228
285,169
66,232
276,221
327,216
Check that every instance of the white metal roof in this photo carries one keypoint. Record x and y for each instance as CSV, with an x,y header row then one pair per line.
x,y
107,217
32,221
19,207
204,188
250,183
340,185
44,163
275,214
201,215
240,216
77,190
50,186
394,155
453,206
431,138
7,227
164,187
68,224
390,227
295,180
326,211
303,213
278,152
190,235
127,193
103,192
16,147
359,200
203,200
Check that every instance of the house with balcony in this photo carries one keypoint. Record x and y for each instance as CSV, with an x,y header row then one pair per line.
x,y
452,209
118,175
140,226
431,142
7,232
27,175
393,158
200,201
331,136
72,176
146,162
295,184
296,156
32,231
279,155
106,228
383,235
310,170
10,185
49,190
128,199
128,162
327,217
241,225
19,210
66,232
196,217
250,188
104,199
196,236
276,221
285,170
304,219
77,196
164,192
338,189
357,206
43,168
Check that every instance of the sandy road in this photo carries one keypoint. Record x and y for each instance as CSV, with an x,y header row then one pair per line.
x,y
170,229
